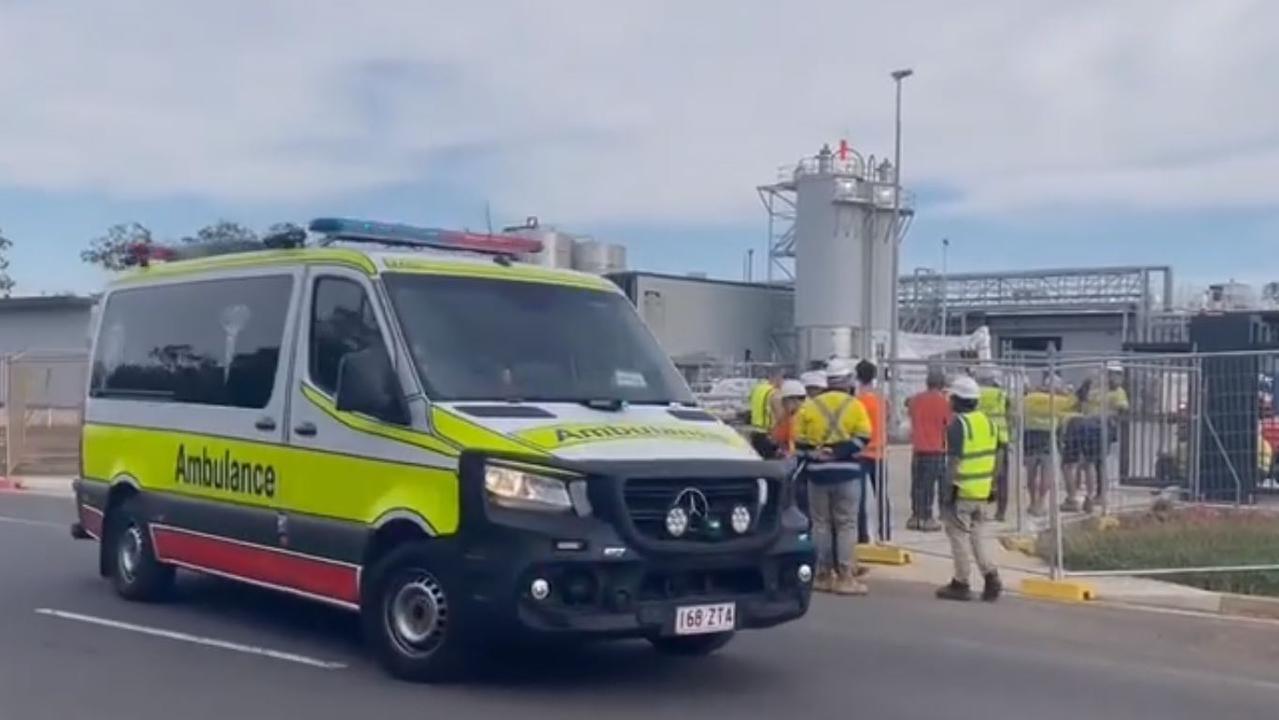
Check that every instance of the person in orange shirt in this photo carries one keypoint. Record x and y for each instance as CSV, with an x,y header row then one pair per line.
x,y
793,395
873,456
930,416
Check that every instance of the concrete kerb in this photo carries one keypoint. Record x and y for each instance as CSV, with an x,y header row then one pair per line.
x,y
53,486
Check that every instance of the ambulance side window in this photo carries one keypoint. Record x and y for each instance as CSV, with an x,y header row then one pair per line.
x,y
342,322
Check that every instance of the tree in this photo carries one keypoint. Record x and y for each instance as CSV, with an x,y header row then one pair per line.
x,y
6,282
283,227
112,250
221,237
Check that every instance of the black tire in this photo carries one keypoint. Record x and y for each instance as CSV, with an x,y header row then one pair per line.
x,y
412,617
691,645
135,573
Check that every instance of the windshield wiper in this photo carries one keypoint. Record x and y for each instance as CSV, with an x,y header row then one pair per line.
x,y
607,404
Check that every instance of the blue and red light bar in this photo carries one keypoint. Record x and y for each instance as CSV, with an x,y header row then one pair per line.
x,y
408,235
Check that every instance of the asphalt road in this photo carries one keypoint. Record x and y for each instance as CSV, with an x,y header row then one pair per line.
x,y
896,654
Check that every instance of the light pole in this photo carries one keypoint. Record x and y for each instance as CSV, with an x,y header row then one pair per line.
x,y
945,248
898,76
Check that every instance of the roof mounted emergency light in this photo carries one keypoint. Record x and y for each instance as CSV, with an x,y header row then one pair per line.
x,y
142,254
410,236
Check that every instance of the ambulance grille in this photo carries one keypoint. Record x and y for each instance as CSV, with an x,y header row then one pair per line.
x,y
648,501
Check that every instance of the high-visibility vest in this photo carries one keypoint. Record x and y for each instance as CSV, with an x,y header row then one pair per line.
x,y
1041,407
976,470
830,419
994,402
761,407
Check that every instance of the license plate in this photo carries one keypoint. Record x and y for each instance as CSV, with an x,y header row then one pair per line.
x,y
703,619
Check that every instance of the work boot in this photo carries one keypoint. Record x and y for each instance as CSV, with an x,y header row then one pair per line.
x,y
931,525
955,591
824,581
914,524
1089,505
848,584
1071,505
993,588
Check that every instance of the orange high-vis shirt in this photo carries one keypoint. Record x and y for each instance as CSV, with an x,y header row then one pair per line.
x,y
878,423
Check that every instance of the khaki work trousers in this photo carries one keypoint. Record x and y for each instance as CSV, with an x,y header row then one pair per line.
x,y
965,522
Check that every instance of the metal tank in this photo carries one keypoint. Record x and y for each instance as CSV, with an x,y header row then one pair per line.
x,y
591,256
843,255
557,247
615,256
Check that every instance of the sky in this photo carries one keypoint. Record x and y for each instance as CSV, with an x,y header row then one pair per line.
x,y
1035,134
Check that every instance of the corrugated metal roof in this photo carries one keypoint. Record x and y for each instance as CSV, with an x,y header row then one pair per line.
x,y
46,302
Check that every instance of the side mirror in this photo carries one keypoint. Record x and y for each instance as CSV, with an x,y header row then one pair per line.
x,y
367,384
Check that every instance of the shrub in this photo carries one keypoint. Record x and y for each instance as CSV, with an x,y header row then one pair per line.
x,y
1166,537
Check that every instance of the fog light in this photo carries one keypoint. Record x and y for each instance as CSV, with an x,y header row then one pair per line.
x,y
676,522
741,519
540,589
805,574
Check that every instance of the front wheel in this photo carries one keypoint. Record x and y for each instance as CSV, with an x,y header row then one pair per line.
x,y
691,645
135,572
411,617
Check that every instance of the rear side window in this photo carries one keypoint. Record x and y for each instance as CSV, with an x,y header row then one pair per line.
x,y
214,342
342,322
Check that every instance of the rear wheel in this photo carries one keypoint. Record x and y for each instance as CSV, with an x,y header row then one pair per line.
x,y
135,572
411,617
691,645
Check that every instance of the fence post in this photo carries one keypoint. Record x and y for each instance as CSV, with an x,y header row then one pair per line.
x,y
1054,491
1017,473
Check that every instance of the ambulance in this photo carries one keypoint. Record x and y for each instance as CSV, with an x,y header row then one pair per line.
x,y
412,425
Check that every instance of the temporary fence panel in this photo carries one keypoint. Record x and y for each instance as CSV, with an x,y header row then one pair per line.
x,y
43,412
1176,467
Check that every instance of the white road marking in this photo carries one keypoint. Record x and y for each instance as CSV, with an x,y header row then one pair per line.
x,y
34,523
194,639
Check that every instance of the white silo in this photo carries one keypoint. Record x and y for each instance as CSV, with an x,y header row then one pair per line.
x,y
557,247
843,256
591,256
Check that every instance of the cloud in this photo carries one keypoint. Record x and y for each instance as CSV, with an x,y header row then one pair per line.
x,y
588,111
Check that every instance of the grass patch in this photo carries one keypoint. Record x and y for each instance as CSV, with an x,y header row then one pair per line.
x,y
1168,537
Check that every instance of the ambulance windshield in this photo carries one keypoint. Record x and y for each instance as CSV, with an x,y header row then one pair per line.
x,y
485,339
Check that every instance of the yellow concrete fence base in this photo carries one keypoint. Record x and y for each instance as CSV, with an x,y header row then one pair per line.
x,y
1059,590
883,555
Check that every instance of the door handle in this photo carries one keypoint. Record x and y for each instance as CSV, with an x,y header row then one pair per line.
x,y
265,424
306,429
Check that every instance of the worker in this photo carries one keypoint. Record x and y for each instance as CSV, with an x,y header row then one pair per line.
x,y
972,441
1096,433
1047,406
929,418
869,514
833,429
814,382
994,403
793,394
765,406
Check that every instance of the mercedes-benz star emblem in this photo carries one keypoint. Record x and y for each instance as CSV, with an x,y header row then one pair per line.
x,y
693,502
690,506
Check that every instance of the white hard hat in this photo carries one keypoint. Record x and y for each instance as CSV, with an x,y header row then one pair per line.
x,y
814,379
1114,367
838,368
793,389
965,388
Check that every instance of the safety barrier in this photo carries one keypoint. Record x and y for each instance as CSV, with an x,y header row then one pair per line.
x,y
43,410
1132,464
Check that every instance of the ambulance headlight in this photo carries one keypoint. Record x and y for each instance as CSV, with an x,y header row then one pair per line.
x,y
525,490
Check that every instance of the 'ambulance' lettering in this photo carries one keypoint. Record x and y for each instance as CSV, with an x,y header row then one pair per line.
x,y
226,474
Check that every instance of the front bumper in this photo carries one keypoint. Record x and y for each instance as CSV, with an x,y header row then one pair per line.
x,y
606,581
